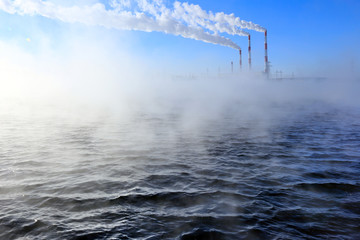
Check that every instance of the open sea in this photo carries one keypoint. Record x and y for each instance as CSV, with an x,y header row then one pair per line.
x,y
291,174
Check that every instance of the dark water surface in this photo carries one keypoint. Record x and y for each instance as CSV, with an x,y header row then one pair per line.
x,y
294,175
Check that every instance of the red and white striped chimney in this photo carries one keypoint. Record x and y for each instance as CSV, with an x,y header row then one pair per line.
x,y
266,55
249,53
240,59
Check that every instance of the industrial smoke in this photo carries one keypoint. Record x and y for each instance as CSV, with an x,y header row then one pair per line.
x,y
183,19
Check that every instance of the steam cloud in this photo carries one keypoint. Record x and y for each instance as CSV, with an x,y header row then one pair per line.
x,y
186,20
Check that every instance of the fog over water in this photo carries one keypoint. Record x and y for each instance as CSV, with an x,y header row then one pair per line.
x,y
91,147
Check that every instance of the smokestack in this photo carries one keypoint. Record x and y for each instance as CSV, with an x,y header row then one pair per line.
x,y
249,53
232,67
240,59
266,56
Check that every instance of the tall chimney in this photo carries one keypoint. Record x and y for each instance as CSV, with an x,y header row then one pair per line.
x,y
240,59
266,56
249,53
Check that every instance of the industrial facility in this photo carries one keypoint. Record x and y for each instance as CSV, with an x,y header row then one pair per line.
x,y
266,58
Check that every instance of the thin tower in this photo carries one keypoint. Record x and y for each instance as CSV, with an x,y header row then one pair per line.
x,y
240,59
249,53
266,56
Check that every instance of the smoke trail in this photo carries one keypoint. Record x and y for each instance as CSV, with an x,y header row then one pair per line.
x,y
97,14
193,15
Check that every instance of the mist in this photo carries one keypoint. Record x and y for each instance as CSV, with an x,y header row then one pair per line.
x,y
83,71
106,74
94,66
106,133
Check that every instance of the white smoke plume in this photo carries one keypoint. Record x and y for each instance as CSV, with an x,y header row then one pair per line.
x,y
97,14
186,20
193,15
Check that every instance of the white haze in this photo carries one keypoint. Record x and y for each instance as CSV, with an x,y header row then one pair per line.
x,y
93,82
83,77
88,72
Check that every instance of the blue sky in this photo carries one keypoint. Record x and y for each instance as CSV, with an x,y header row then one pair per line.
x,y
303,35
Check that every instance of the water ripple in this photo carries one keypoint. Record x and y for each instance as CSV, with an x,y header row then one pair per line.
x,y
152,178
